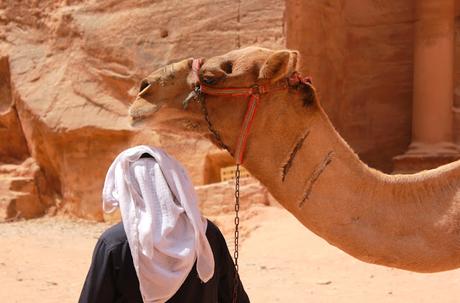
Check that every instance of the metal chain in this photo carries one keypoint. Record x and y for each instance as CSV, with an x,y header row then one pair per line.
x,y
202,100
237,232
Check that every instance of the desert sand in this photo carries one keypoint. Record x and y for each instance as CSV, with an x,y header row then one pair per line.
x,y
46,260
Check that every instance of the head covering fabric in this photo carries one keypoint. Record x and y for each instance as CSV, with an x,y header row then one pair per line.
x,y
164,227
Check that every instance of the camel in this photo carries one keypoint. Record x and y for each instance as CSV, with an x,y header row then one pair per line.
x,y
411,222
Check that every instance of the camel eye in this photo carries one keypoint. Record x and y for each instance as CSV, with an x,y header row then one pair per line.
x,y
209,80
227,67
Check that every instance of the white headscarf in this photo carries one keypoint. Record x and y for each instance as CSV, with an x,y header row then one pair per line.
x,y
163,225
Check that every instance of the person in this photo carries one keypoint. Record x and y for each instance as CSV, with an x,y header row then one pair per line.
x,y
163,250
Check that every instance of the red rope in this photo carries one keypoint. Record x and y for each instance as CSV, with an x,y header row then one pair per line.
x,y
246,127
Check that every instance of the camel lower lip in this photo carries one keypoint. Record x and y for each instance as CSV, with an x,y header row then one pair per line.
x,y
142,108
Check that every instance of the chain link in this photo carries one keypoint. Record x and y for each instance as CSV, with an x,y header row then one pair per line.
x,y
237,232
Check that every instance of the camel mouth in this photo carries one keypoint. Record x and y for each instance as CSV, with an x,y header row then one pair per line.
x,y
141,109
139,113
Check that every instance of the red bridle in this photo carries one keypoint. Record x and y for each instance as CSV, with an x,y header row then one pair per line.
x,y
254,93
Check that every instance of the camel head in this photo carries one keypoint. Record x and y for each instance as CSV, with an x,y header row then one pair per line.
x,y
166,89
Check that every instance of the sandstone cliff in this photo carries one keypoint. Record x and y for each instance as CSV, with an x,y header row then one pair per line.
x,y
68,71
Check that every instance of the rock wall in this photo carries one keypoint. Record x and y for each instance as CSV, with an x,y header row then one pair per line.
x,y
317,30
457,80
13,145
23,189
377,115
76,66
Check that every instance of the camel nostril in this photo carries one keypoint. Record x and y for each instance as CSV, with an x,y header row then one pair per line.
x,y
144,87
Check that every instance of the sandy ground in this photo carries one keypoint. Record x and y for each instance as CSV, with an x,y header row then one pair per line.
x,y
46,260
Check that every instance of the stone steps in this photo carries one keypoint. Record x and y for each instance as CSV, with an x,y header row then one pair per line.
x,y
18,194
7,207
218,198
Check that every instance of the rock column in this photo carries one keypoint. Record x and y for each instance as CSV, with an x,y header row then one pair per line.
x,y
432,131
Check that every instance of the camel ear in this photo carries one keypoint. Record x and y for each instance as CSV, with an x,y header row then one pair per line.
x,y
279,65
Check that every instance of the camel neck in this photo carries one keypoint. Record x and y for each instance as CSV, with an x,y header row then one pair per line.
x,y
304,156
374,217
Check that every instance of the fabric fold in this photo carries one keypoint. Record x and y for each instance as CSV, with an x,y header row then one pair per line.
x,y
165,229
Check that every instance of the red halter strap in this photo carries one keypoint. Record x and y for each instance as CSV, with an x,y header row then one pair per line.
x,y
254,92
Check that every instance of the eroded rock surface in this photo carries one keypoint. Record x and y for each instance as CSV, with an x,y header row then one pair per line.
x,y
13,146
75,68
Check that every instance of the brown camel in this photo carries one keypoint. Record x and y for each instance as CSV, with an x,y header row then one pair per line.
x,y
405,221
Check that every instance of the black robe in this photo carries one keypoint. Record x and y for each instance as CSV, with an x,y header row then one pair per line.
x,y
112,278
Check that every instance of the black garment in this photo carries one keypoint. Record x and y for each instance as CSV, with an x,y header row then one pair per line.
x,y
112,278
